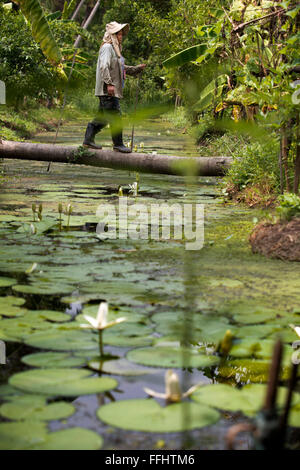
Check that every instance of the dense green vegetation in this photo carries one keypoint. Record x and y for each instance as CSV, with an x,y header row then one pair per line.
x,y
232,67
77,305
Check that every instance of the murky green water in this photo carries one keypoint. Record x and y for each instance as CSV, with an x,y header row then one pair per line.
x,y
60,275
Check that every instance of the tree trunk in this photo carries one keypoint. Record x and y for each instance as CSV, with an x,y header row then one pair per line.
x,y
140,162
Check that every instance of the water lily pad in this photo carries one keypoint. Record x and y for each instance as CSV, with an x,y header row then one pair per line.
x,y
149,416
248,400
8,335
34,435
44,287
257,331
62,340
206,328
7,281
71,439
40,227
10,301
9,310
9,391
21,436
132,316
171,357
52,360
127,341
63,382
35,408
52,315
119,367
254,315
260,349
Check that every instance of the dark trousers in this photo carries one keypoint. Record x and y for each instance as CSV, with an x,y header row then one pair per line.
x,y
109,112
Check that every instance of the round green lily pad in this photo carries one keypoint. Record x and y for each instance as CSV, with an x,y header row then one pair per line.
x,y
258,331
171,357
62,340
127,341
33,435
119,367
253,315
9,391
206,328
61,382
34,408
10,300
20,436
258,348
149,416
7,281
12,311
44,288
52,315
248,400
71,439
52,360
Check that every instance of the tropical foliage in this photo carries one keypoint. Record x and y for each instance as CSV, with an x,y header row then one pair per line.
x,y
256,45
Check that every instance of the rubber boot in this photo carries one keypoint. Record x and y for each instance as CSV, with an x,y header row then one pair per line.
x,y
89,138
118,143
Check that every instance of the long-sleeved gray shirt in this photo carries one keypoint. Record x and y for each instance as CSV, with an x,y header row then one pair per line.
x,y
109,71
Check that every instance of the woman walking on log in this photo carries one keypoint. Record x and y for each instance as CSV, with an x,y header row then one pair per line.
x,y
110,77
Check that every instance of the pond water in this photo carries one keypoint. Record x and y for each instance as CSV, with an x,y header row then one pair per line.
x,y
56,270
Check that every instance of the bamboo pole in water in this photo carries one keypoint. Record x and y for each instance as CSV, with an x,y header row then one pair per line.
x,y
140,162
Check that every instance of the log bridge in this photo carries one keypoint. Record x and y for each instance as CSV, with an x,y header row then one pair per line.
x,y
139,162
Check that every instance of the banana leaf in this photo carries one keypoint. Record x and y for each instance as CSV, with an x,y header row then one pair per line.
x,y
187,55
210,93
41,32
53,16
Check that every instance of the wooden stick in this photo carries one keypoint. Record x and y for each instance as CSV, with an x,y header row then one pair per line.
x,y
87,23
74,16
270,402
135,105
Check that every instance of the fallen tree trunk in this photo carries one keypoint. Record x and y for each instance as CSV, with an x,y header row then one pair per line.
x,y
140,162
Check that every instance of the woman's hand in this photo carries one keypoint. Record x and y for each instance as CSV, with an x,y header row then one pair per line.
x,y
111,90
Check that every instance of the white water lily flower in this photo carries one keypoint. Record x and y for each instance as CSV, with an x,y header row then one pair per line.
x,y
32,268
296,329
100,322
32,229
173,392
133,188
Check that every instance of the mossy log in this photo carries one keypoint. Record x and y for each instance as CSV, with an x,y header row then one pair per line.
x,y
140,162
